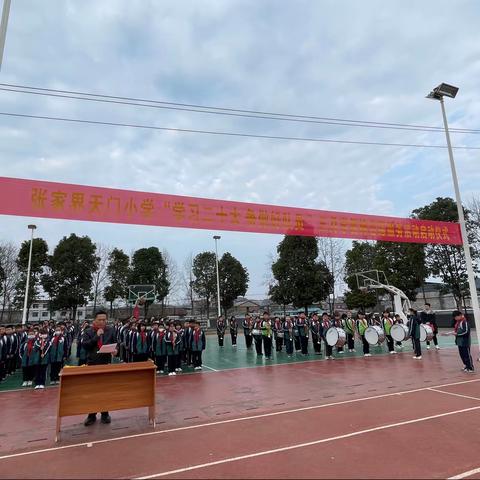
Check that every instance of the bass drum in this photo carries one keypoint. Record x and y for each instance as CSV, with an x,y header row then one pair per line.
x,y
374,335
426,332
336,337
399,332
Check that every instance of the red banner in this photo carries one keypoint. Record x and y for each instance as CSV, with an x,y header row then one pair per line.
x,y
36,198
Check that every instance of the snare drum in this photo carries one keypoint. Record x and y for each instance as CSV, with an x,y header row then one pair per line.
x,y
336,337
400,332
374,335
426,332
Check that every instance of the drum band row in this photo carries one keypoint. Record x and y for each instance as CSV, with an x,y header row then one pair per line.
x,y
374,335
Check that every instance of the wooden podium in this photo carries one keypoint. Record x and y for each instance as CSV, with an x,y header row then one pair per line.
x,y
102,388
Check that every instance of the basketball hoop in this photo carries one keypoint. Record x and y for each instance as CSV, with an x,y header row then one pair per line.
x,y
141,301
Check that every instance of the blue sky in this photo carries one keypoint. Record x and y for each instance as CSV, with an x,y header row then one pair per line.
x,y
370,60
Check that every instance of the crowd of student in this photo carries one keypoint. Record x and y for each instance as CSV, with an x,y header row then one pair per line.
x,y
171,345
37,349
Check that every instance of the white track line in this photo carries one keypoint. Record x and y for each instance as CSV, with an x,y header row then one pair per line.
x,y
307,444
454,394
465,474
233,420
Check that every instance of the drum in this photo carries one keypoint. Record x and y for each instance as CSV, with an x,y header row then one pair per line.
x,y
426,332
336,337
256,332
399,332
374,335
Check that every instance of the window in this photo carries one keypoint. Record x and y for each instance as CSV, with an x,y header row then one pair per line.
x,y
34,314
35,306
80,314
44,314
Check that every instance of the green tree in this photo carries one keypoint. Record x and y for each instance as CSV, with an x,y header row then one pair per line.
x,y
233,280
298,274
403,265
448,261
360,258
39,262
118,271
70,277
205,277
148,267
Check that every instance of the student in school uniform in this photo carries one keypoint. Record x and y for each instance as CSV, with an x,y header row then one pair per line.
x,y
267,334
3,354
181,347
428,316
29,358
172,342
316,329
233,325
159,348
58,352
326,323
349,325
414,330
338,322
81,352
463,340
139,344
302,328
288,335
247,325
11,348
41,347
21,334
398,319
387,323
278,333
296,335
221,327
257,335
362,325
198,344
187,339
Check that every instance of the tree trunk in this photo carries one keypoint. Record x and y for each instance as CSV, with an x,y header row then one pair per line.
x,y
111,308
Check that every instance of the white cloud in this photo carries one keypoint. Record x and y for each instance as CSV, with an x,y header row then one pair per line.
x,y
371,60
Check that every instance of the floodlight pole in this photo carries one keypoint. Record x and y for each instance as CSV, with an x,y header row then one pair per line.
x,y
463,229
27,284
217,237
3,27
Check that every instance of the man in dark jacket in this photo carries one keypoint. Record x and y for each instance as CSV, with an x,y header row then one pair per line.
x,y
93,338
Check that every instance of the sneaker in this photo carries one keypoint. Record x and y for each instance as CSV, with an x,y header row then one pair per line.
x,y
393,352
41,387
367,355
428,347
30,383
171,374
234,345
106,419
340,352
90,420
37,387
25,384
437,347
470,371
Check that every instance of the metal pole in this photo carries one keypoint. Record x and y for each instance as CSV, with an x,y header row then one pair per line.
x,y
27,285
3,28
463,229
218,280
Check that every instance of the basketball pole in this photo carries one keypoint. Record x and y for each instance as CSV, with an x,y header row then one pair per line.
x,y
217,237
463,229
3,28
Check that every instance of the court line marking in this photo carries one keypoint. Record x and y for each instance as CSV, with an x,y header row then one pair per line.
x,y
465,474
455,394
233,420
210,368
306,444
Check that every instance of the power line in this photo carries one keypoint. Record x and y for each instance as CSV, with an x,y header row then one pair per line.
x,y
230,134
69,94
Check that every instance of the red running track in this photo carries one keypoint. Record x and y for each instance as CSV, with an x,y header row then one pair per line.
x,y
425,432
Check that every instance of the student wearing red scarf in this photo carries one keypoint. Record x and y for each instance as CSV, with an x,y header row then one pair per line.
x,y
29,358
93,338
198,343
462,340
140,344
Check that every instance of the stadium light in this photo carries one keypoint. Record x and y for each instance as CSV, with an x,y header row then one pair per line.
x,y
27,283
438,93
217,237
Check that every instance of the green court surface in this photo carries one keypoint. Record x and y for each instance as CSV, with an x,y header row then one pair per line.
x,y
216,358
